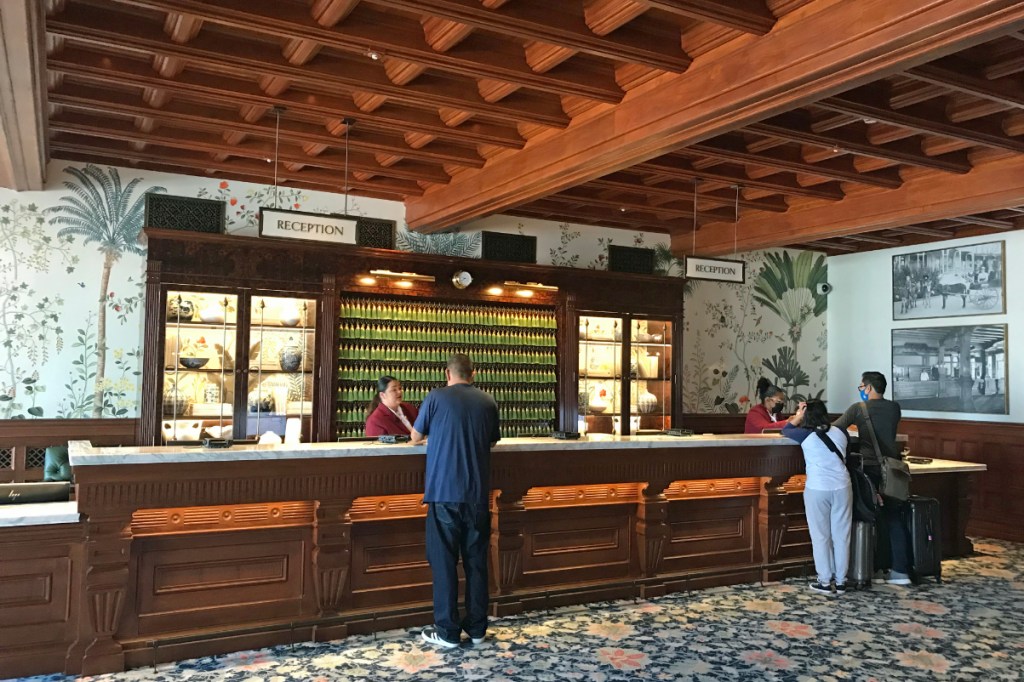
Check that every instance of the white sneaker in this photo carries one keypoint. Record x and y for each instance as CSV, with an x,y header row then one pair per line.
x,y
477,641
897,578
431,635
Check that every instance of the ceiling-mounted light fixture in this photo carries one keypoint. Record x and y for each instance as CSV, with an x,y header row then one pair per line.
x,y
408,276
367,281
693,249
278,110
736,220
495,291
348,122
373,54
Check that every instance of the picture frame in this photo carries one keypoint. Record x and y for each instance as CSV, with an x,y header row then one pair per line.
x,y
955,281
960,368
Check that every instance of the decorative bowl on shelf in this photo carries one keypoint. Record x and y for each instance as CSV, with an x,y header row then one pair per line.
x,y
193,363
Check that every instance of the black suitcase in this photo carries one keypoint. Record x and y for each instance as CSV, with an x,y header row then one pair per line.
x,y
922,514
862,556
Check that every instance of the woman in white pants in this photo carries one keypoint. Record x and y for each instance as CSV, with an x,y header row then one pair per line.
x,y
828,494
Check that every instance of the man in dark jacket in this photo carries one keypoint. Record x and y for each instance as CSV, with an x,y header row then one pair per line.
x,y
875,443
462,423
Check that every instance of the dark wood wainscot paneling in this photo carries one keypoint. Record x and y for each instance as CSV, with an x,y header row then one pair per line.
x,y
23,441
996,503
40,590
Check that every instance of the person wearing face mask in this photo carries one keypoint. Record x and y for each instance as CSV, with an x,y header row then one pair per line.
x,y
765,415
877,420
387,414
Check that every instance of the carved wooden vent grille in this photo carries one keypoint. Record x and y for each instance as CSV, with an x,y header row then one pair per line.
x,y
6,458
185,213
375,233
35,458
631,259
516,248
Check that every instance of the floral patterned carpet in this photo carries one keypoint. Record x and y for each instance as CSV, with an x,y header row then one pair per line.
x,y
969,628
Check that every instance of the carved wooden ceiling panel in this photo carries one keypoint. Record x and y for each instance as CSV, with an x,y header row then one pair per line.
x,y
403,99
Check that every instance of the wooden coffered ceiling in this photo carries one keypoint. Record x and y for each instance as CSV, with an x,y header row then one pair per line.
x,y
831,124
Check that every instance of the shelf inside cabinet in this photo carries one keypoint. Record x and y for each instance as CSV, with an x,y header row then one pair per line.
x,y
208,326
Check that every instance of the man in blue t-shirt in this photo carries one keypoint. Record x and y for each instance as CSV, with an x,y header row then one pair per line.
x,y
462,422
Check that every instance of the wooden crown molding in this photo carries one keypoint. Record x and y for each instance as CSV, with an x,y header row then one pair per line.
x,y
22,96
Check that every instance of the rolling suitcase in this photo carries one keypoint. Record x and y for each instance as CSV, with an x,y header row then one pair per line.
x,y
862,556
922,514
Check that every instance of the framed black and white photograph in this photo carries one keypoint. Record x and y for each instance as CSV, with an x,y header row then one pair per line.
x,y
951,369
950,282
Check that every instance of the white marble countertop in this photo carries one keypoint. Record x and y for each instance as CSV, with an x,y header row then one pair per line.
x,y
945,466
83,453
38,514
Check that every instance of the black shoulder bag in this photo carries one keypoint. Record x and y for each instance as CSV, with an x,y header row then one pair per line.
x,y
865,501
895,472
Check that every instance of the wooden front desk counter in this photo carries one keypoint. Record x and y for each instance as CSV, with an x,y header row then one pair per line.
x,y
184,552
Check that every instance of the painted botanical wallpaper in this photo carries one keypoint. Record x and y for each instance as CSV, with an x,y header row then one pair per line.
x,y
773,326
72,275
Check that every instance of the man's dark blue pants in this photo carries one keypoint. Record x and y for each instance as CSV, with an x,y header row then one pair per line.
x,y
455,529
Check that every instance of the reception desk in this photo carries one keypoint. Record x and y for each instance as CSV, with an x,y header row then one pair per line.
x,y
183,552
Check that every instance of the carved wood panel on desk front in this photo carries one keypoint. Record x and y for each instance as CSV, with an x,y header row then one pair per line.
x,y
323,538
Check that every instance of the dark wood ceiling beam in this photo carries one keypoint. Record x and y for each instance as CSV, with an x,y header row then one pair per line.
x,y
748,16
524,212
598,216
795,127
733,148
986,222
684,192
653,44
830,246
1004,91
873,239
77,125
192,116
921,230
674,167
1005,67
97,67
579,195
991,185
189,160
148,164
400,38
869,103
219,51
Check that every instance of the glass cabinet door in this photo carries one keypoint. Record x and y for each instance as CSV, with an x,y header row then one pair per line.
x,y
279,386
199,365
600,371
650,375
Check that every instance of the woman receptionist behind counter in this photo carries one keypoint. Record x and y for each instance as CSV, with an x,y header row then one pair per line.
x,y
765,415
387,414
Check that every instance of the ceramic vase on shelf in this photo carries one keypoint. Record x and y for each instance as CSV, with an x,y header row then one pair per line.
x,y
260,402
290,356
646,402
291,314
211,392
180,310
212,312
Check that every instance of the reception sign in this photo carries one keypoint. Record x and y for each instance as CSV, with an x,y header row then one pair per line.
x,y
314,226
716,269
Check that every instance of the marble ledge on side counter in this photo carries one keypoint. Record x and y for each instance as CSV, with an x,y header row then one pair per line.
x,y
83,453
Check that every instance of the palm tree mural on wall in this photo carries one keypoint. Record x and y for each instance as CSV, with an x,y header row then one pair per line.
x,y
101,210
789,288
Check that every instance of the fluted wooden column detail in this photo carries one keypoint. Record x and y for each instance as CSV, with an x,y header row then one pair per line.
x,y
332,554
772,520
107,553
652,528
507,522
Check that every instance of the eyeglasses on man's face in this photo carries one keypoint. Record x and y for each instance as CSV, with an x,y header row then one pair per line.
x,y
861,387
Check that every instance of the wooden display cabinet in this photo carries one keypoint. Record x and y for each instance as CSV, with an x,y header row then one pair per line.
x,y
627,376
235,363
